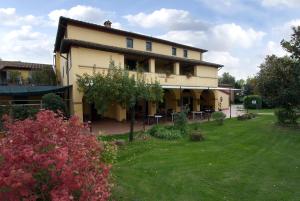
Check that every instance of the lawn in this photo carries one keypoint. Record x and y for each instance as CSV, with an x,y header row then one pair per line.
x,y
241,160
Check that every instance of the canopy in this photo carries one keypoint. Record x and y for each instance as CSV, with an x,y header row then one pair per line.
x,y
30,90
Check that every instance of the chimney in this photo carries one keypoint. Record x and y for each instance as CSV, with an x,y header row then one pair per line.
x,y
107,24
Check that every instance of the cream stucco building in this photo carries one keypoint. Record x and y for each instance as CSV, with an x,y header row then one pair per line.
x,y
83,47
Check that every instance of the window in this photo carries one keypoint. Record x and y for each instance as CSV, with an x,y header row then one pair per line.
x,y
148,46
129,42
185,53
174,51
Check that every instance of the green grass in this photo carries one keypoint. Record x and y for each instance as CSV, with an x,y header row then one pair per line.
x,y
241,160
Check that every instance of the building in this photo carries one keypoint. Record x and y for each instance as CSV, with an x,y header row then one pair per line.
x,y
24,82
82,47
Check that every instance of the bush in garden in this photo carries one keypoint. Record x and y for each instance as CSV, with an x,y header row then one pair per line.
x,y
249,100
51,159
53,102
218,117
163,132
109,153
180,122
196,136
21,112
246,116
286,116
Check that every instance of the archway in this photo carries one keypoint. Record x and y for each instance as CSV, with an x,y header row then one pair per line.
x,y
207,100
189,99
169,103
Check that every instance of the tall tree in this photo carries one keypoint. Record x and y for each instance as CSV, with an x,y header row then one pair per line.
x,y
226,78
117,86
293,45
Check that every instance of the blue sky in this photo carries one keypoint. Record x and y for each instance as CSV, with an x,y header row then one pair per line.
x,y
237,33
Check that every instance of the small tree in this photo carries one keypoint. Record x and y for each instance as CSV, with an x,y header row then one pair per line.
x,y
218,117
117,86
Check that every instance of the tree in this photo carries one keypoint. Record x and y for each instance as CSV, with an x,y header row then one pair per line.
x,y
293,46
278,81
227,79
250,87
117,86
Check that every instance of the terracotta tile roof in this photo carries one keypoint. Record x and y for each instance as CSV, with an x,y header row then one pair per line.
x,y
23,65
63,22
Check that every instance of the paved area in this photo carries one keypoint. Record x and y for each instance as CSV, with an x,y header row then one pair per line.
x,y
112,127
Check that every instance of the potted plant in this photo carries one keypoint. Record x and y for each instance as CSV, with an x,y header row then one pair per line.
x,y
189,75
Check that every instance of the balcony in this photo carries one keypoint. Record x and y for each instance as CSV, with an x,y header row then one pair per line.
x,y
178,80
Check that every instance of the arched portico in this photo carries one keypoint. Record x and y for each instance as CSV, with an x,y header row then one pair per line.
x,y
207,100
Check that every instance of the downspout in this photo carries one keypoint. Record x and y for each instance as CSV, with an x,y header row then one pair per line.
x,y
68,80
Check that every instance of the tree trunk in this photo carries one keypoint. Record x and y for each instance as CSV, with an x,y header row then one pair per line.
x,y
132,121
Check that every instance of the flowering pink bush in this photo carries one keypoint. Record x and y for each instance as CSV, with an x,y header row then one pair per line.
x,y
51,159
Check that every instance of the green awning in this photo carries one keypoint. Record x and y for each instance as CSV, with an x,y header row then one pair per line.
x,y
30,90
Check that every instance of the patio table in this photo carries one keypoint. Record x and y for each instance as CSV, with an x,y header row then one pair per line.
x,y
196,113
157,117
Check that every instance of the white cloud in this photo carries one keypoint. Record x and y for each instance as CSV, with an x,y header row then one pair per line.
x,y
27,45
288,3
221,37
275,48
81,12
9,17
166,18
239,68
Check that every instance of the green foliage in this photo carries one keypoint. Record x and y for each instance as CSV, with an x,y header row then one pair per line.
x,y
180,122
279,79
163,132
109,153
293,45
227,79
117,86
53,102
21,112
44,76
286,116
248,104
218,117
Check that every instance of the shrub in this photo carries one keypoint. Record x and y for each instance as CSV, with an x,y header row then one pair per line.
x,y
163,132
21,112
248,102
180,122
286,116
246,116
196,136
109,153
218,117
53,102
51,159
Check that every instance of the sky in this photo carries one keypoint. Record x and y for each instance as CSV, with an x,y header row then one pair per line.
x,y
237,33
